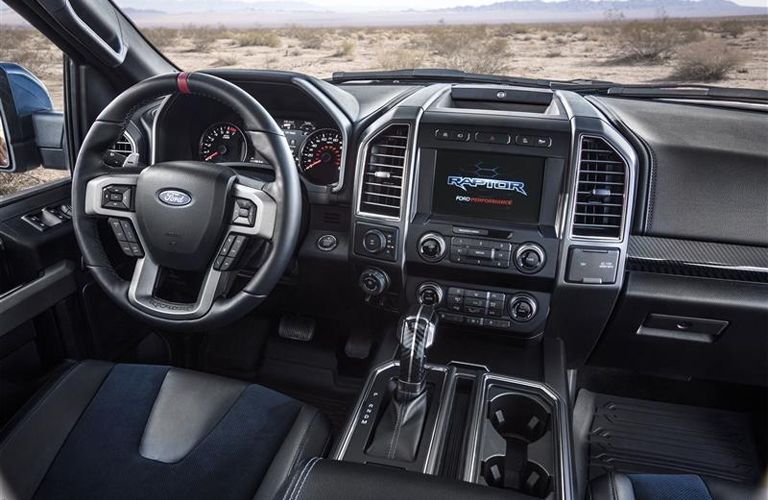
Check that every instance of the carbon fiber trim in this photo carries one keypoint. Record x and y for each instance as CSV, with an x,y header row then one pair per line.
x,y
698,258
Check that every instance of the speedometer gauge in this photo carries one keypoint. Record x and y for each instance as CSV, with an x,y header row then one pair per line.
x,y
320,158
222,142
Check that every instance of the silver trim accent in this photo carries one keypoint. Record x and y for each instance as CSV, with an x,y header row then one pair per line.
x,y
129,139
142,286
561,430
628,188
436,439
342,122
362,156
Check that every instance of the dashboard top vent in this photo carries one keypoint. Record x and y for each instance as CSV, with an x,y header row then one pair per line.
x,y
601,191
382,185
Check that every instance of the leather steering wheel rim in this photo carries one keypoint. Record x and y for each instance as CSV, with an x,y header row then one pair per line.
x,y
285,191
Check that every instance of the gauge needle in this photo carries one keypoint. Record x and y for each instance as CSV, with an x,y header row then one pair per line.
x,y
313,164
212,156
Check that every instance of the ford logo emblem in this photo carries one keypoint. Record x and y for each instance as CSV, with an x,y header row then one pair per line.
x,y
174,198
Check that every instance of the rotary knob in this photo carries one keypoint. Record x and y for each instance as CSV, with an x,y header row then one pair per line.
x,y
522,308
373,282
374,241
432,247
429,294
529,258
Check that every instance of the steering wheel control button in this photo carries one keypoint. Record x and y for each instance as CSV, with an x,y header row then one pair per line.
x,y
373,282
432,247
244,213
229,252
529,258
374,241
126,237
327,242
117,197
593,266
522,308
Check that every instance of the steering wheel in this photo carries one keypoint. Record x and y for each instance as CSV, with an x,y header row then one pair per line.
x,y
187,216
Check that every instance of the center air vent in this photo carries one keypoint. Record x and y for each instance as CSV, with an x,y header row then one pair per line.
x,y
383,173
600,191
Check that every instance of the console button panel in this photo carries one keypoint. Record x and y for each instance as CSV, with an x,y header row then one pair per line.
x,y
478,252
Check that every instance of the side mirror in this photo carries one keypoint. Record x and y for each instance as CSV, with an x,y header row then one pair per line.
x,y
32,132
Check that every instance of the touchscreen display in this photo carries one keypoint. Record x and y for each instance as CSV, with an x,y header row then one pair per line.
x,y
488,186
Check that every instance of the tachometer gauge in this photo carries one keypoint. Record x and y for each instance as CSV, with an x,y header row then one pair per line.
x,y
222,142
320,158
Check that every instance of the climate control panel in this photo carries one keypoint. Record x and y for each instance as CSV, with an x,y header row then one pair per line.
x,y
514,311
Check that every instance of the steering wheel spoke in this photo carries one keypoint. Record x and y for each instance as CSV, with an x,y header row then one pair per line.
x,y
255,212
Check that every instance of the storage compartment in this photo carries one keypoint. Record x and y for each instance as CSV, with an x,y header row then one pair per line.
x,y
687,327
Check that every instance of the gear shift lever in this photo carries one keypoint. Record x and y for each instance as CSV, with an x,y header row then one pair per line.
x,y
417,332
397,433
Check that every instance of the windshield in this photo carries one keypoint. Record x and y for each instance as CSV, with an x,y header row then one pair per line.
x,y
683,41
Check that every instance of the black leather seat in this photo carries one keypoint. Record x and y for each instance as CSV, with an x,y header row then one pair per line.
x,y
614,486
112,431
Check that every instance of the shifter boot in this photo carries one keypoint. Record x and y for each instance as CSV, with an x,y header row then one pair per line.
x,y
398,433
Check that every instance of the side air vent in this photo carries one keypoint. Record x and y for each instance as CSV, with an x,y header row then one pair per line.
x,y
383,173
124,145
600,191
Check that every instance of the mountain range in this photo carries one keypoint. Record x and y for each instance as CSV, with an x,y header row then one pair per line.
x,y
270,13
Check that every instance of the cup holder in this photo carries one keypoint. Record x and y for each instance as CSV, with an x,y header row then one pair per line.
x,y
520,421
534,480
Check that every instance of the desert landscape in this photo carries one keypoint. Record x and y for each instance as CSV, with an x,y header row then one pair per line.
x,y
718,51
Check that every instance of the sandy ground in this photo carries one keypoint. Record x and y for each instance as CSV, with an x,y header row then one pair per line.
x,y
557,51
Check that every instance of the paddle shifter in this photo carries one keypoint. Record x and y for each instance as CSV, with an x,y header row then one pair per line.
x,y
398,432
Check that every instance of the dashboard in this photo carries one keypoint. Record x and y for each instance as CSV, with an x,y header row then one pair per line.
x,y
517,212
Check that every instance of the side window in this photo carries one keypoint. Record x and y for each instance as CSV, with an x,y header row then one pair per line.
x,y
31,100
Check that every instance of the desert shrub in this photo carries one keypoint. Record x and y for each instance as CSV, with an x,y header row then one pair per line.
x,y
203,38
162,37
257,39
224,61
489,57
731,28
346,49
706,61
448,40
648,41
553,53
309,38
401,59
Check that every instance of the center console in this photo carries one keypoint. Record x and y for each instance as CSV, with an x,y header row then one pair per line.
x,y
505,212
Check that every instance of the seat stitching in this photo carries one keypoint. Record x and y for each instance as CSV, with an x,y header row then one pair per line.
x,y
311,465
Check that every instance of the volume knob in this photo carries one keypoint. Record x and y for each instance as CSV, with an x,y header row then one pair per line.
x,y
432,247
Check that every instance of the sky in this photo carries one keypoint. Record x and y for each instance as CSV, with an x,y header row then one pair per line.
x,y
436,4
